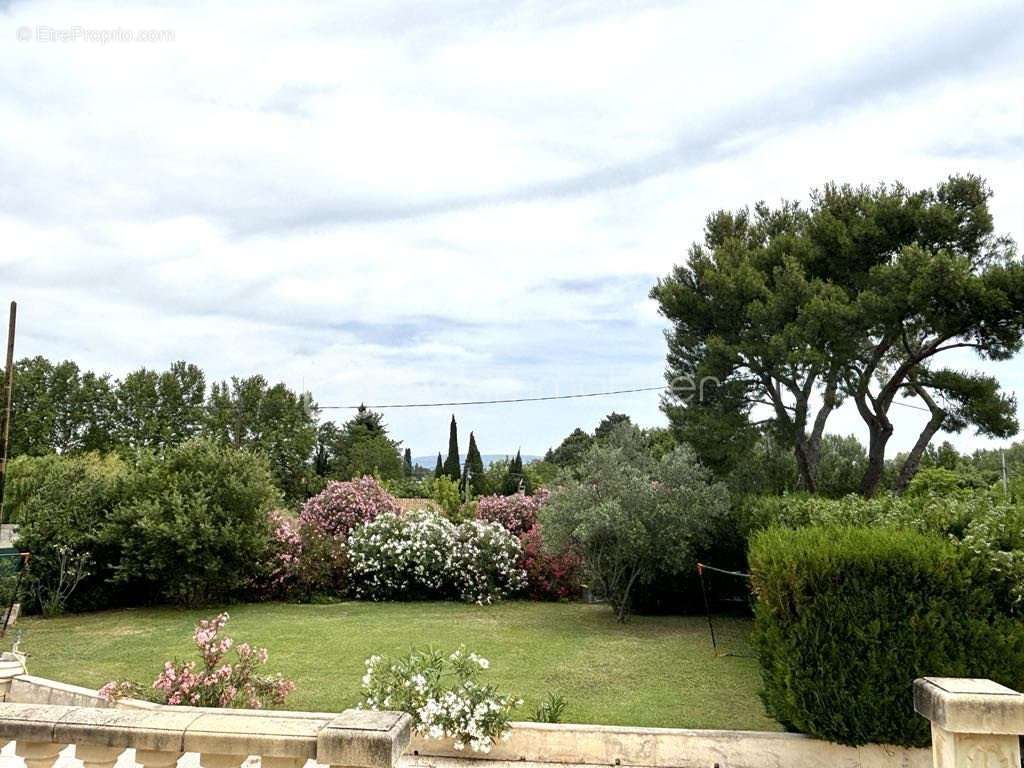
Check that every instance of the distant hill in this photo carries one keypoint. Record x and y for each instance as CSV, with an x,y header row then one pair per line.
x,y
428,462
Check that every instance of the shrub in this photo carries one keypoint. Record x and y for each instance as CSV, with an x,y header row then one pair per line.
x,y
341,506
846,618
634,518
516,513
443,694
193,523
63,521
217,683
423,555
445,492
550,575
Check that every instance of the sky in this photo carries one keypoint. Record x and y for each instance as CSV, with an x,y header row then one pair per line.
x,y
410,202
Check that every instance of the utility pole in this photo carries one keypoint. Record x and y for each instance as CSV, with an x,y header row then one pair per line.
x,y
8,392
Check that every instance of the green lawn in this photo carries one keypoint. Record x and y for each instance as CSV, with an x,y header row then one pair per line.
x,y
653,671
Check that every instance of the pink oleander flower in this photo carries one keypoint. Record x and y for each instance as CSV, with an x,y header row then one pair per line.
x,y
336,510
217,683
516,513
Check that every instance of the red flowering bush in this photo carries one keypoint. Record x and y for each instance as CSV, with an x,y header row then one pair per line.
x,y
549,576
340,507
216,683
516,513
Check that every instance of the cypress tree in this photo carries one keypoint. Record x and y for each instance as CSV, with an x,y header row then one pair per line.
x,y
474,468
514,476
439,469
408,462
451,463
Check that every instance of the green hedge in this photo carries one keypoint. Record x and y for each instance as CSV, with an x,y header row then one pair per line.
x,y
847,618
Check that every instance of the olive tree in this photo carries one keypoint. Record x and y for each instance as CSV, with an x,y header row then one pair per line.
x,y
633,517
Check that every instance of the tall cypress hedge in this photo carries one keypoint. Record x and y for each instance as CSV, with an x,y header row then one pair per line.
x,y
847,618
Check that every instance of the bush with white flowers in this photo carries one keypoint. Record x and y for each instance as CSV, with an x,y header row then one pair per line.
x,y
424,555
443,695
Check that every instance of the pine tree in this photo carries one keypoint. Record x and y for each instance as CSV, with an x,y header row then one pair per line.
x,y
408,462
439,469
474,469
451,462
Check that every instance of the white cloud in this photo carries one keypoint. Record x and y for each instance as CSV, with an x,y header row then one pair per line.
x,y
406,202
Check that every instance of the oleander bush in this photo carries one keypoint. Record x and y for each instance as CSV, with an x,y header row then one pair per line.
x,y
215,681
550,574
516,513
423,555
341,506
443,694
847,617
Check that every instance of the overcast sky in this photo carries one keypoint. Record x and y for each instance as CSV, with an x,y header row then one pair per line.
x,y
401,202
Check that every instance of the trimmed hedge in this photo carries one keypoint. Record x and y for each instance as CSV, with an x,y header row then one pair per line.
x,y
847,618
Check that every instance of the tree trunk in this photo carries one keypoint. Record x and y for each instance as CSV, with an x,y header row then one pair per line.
x,y
879,434
913,460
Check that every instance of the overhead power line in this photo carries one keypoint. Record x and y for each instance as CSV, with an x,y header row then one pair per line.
x,y
494,402
381,406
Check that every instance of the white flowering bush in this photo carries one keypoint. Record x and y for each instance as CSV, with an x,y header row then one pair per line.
x,y
423,555
443,695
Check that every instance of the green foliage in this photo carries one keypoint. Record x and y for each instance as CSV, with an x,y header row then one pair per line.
x,y
71,501
474,469
846,618
451,461
446,493
634,518
193,522
516,480
540,473
855,296
571,450
252,415
551,709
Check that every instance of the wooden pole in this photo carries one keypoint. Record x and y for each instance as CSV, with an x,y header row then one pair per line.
x,y
5,439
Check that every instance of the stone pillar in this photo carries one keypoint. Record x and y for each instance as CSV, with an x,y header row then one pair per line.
x,y
975,723
11,666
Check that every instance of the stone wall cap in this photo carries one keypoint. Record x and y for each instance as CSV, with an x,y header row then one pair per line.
x,y
360,738
968,705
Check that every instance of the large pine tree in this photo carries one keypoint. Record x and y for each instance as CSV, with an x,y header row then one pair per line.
x,y
451,462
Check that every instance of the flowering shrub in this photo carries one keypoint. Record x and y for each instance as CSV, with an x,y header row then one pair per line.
x,y
442,694
216,683
421,554
549,575
340,507
485,562
516,513
303,565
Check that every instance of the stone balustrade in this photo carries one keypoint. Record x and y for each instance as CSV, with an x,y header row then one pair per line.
x,y
222,738
975,723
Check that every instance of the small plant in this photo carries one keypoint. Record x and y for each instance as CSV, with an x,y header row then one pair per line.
x,y
216,683
69,568
443,694
551,709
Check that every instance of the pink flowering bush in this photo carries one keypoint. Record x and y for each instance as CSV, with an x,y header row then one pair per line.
x,y
214,681
517,513
340,507
550,575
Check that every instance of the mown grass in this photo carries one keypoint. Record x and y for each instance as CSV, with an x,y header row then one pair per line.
x,y
652,671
